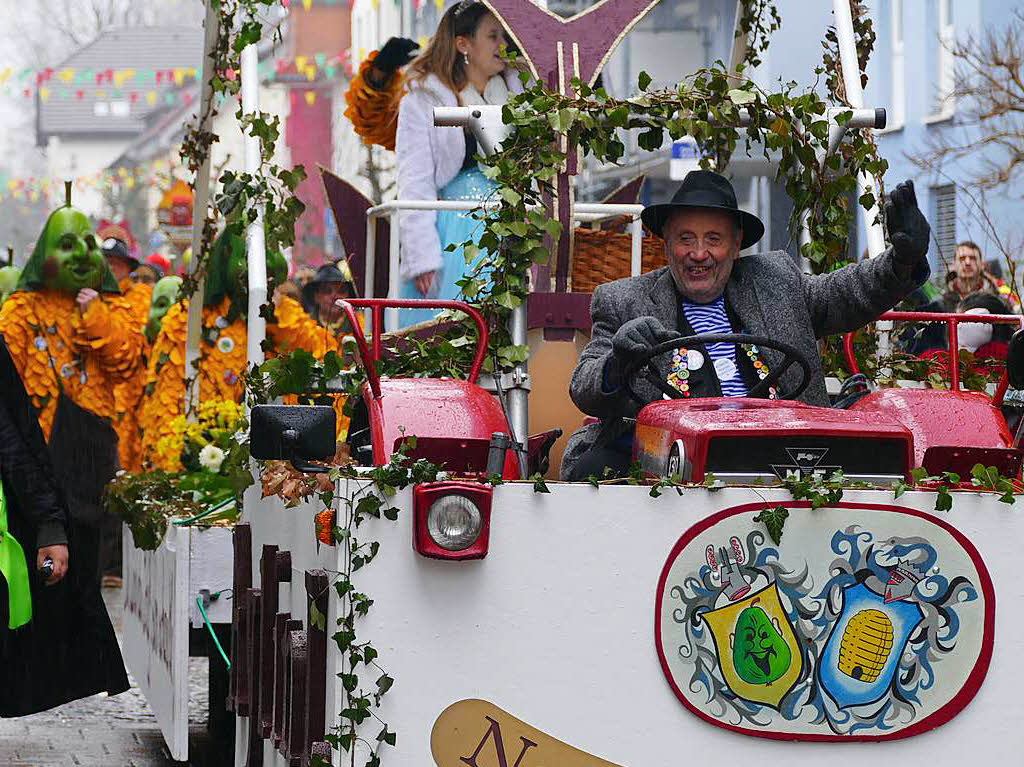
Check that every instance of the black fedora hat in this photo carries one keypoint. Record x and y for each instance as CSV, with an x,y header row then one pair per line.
x,y
704,189
328,273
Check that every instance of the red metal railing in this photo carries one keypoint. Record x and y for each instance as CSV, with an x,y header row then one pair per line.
x,y
952,323
377,307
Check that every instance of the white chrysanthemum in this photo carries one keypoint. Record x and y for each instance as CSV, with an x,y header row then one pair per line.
x,y
211,457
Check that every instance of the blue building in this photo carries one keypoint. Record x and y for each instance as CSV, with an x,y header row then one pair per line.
x,y
912,74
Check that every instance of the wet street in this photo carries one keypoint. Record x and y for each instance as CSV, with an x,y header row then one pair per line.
x,y
107,732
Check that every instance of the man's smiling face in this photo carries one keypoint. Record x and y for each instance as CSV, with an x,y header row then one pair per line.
x,y
701,245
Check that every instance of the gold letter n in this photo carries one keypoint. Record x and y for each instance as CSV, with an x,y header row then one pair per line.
x,y
499,747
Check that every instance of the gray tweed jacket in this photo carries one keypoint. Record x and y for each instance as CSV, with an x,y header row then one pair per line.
x,y
767,294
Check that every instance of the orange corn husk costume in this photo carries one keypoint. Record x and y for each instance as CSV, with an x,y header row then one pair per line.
x,y
374,113
221,369
92,351
128,395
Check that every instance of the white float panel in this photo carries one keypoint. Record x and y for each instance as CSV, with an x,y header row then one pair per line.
x,y
160,590
556,627
156,622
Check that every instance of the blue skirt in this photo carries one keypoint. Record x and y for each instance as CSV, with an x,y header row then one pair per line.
x,y
453,227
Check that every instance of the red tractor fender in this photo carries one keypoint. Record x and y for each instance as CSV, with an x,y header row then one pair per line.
x,y
452,420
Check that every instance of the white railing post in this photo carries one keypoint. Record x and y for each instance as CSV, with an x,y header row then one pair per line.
x,y
255,244
201,187
855,95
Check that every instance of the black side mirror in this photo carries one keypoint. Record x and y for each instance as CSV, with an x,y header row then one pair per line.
x,y
1015,360
295,433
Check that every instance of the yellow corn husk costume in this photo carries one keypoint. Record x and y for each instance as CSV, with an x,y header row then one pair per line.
x,y
128,395
92,351
221,368
374,113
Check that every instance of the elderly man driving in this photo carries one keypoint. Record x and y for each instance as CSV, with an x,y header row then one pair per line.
x,y
708,288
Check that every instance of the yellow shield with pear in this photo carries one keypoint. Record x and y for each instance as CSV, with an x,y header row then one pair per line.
x,y
758,652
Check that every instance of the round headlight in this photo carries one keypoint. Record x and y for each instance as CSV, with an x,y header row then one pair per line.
x,y
454,522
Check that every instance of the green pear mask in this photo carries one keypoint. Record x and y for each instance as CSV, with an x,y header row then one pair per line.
x,y
165,293
8,281
67,257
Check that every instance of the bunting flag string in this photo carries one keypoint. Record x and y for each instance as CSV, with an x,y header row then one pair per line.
x,y
35,189
153,85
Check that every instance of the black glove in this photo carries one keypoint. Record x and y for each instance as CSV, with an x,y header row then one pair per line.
x,y
396,53
908,229
632,341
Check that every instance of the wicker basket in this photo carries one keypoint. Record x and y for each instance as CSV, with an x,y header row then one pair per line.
x,y
603,255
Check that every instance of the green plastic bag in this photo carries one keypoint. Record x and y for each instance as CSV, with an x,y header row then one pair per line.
x,y
15,572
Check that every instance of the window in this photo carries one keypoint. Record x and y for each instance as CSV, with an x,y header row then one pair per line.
x,y
100,109
944,221
898,94
944,76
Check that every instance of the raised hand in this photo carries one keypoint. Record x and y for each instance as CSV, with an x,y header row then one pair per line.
x,y
908,229
396,53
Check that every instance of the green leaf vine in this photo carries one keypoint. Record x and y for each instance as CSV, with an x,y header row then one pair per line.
x,y
364,680
241,195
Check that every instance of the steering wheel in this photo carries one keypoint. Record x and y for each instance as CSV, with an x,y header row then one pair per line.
x,y
790,355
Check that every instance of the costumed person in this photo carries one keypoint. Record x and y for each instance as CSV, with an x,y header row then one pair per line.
x,y
70,337
222,343
376,90
461,66
9,276
147,274
165,293
708,288
320,299
117,243
320,295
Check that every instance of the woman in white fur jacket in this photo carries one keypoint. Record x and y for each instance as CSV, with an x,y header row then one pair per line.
x,y
461,65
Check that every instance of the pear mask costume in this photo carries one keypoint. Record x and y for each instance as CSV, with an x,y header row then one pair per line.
x,y
67,257
165,293
228,270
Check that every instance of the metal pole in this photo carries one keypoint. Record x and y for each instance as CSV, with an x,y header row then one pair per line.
x,y
391,315
370,261
519,392
201,186
254,240
855,95
636,241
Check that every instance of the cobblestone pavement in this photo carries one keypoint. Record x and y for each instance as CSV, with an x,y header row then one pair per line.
x,y
118,731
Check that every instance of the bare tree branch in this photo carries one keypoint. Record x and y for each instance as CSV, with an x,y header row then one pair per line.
x,y
990,111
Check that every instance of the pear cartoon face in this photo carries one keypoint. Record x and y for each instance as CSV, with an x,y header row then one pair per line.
x,y
759,652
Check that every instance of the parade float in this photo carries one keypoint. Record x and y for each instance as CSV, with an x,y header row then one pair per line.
x,y
774,581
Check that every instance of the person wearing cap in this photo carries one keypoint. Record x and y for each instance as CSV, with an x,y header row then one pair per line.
x,y
115,243
708,288
320,295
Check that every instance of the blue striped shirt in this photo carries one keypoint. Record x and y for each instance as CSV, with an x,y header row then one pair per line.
x,y
712,318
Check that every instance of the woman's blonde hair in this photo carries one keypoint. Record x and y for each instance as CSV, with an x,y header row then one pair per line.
x,y
441,57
